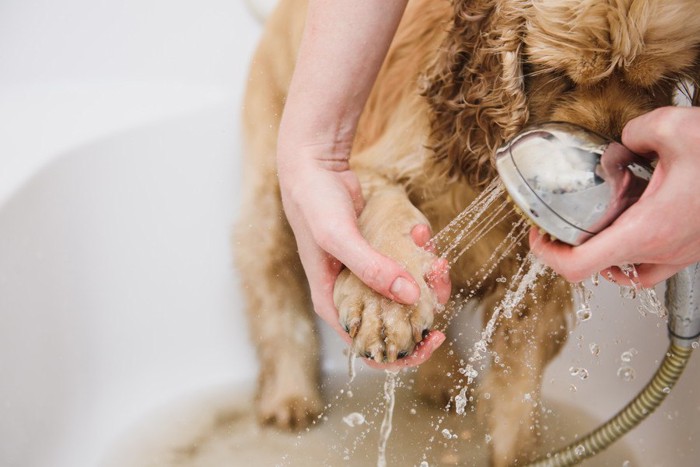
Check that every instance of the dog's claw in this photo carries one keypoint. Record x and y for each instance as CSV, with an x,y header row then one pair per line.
x,y
353,327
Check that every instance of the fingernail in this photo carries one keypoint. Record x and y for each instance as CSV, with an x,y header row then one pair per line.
x,y
404,291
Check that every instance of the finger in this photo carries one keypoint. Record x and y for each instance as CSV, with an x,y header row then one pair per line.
x,y
421,353
439,280
377,271
609,247
421,235
651,274
650,132
554,254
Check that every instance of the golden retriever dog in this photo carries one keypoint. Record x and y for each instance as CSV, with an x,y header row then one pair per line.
x,y
460,78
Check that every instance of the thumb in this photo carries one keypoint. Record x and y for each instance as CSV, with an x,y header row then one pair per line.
x,y
379,272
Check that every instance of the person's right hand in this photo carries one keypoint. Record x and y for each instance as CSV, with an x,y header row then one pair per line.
x,y
322,200
660,234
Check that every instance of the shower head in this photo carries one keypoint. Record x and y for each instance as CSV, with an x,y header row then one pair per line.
x,y
572,183
569,181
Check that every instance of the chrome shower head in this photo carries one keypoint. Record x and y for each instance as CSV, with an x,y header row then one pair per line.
x,y
570,181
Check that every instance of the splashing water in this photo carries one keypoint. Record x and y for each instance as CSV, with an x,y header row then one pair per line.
x,y
525,279
626,373
354,419
649,301
461,401
582,373
583,296
627,355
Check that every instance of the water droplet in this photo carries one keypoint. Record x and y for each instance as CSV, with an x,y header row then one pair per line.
x,y
573,388
412,411
354,419
350,394
594,348
666,390
461,401
469,372
582,373
626,464
628,292
595,279
583,314
447,435
487,395
695,344
424,464
626,373
487,438
627,355
501,279
580,450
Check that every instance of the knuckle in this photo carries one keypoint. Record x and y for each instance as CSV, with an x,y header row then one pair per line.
x,y
325,237
371,273
664,123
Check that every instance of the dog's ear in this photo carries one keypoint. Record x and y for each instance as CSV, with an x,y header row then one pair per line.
x,y
475,87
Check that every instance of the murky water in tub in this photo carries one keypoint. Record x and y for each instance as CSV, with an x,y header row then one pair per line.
x,y
217,428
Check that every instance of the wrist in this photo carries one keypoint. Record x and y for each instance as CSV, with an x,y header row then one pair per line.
x,y
299,147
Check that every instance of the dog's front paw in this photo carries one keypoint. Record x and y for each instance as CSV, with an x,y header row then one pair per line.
x,y
381,329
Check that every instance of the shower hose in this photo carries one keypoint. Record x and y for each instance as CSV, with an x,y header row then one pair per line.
x,y
641,406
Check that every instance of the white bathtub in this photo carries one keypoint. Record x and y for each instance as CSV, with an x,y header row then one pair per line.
x,y
119,156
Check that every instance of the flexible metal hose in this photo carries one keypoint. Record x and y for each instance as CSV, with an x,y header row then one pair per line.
x,y
641,406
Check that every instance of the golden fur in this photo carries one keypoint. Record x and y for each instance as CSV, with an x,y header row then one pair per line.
x,y
459,80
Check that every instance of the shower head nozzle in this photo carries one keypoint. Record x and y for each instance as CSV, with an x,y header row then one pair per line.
x,y
569,181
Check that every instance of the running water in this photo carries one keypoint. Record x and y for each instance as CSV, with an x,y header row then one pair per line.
x,y
521,282
472,223
385,430
351,366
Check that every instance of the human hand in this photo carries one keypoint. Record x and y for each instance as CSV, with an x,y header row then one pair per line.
x,y
660,234
322,199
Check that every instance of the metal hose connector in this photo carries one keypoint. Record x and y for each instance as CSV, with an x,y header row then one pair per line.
x,y
641,406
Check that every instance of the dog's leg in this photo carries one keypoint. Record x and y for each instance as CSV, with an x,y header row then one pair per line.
x,y
523,346
278,305
280,315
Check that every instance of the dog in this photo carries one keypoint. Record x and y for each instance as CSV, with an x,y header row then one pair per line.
x,y
460,79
